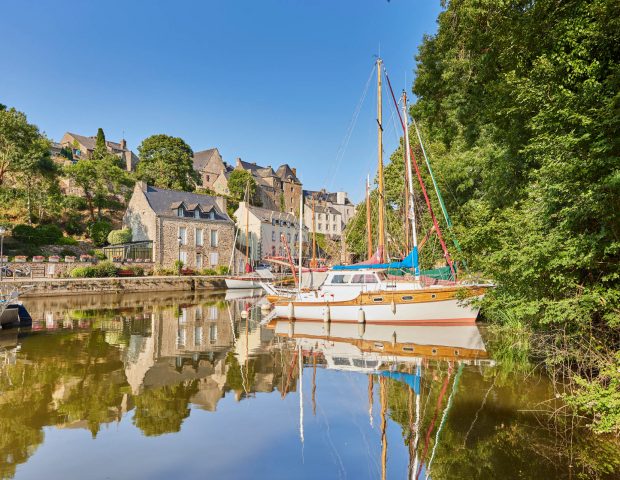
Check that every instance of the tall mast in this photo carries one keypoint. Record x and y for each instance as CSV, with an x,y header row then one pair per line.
x,y
411,202
407,241
301,234
380,169
368,224
313,263
247,226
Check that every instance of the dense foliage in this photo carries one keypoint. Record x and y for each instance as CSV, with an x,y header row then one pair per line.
x,y
239,182
116,237
167,162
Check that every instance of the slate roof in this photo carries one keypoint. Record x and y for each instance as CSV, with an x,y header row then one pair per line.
x,y
91,142
162,200
285,173
257,169
202,158
265,215
325,197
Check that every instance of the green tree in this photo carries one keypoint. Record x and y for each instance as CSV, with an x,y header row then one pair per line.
x,y
238,182
100,180
116,237
167,162
100,150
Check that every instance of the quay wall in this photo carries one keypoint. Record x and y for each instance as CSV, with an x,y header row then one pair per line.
x,y
47,287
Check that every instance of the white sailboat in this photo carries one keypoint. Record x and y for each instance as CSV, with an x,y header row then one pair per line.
x,y
365,293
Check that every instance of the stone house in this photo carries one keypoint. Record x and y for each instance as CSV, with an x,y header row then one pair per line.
x,y
182,226
276,190
332,211
209,165
265,230
83,147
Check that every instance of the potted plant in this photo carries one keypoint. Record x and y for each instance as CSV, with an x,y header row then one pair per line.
x,y
69,259
53,259
38,258
4,259
84,258
21,258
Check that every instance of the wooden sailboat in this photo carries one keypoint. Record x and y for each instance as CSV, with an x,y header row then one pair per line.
x,y
366,293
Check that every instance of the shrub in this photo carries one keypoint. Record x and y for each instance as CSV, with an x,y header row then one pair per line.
x,y
138,271
98,232
116,237
178,266
222,270
105,269
98,254
83,272
208,271
67,241
39,235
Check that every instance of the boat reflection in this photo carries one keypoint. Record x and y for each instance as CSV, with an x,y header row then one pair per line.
x,y
396,353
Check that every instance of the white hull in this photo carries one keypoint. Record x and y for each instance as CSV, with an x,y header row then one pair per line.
x,y
449,312
242,283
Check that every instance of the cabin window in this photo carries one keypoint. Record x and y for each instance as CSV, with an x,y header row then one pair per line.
x,y
407,298
377,299
340,279
407,349
433,295
364,278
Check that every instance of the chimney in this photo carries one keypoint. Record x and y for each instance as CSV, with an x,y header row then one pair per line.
x,y
123,144
294,170
341,197
141,184
221,203
238,162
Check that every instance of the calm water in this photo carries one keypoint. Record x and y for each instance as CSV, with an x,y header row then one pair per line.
x,y
181,386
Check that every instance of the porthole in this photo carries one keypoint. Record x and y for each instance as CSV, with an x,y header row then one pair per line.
x,y
408,349
379,345
457,353
407,298
377,299
434,351
433,295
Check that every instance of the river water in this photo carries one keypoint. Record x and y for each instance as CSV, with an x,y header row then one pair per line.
x,y
185,386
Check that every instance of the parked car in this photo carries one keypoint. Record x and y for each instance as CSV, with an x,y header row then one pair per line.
x,y
263,266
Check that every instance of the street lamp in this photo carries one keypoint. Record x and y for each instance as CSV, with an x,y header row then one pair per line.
x,y
2,232
179,259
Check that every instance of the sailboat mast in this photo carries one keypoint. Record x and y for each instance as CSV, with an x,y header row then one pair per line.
x,y
313,263
380,165
247,228
368,224
301,235
411,202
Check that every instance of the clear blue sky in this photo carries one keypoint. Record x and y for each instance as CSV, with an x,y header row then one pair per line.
x,y
270,81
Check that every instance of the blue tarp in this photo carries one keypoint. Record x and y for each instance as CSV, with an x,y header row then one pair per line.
x,y
410,261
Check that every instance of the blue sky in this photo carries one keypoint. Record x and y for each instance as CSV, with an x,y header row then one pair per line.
x,y
270,81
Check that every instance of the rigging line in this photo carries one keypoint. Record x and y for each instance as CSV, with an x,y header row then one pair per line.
x,y
443,419
347,137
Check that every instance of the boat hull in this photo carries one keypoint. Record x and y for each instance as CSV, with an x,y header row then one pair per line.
x,y
431,307
10,315
242,283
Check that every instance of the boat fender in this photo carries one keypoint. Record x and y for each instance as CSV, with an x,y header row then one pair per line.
x,y
326,314
393,305
361,316
291,310
394,339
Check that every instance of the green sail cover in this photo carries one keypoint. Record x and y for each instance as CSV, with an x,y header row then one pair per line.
x,y
441,273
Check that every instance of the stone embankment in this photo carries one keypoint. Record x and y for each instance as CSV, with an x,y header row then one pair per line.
x,y
43,287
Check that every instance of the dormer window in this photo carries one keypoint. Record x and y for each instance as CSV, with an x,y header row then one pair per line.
x,y
180,212
197,213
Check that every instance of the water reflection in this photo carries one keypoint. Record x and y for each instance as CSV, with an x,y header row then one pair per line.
x,y
298,399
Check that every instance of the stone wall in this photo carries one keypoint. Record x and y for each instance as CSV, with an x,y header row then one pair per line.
x,y
167,249
292,193
140,216
77,286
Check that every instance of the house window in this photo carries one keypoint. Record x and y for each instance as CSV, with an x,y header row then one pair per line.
x,y
211,216
213,333
197,213
273,236
334,227
199,237
181,337
183,235
198,336
180,211
288,237
199,260
183,257
214,238
327,227
213,313
320,227
214,258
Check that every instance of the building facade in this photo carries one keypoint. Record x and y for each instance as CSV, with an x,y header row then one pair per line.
x,y
332,211
189,227
265,230
83,147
